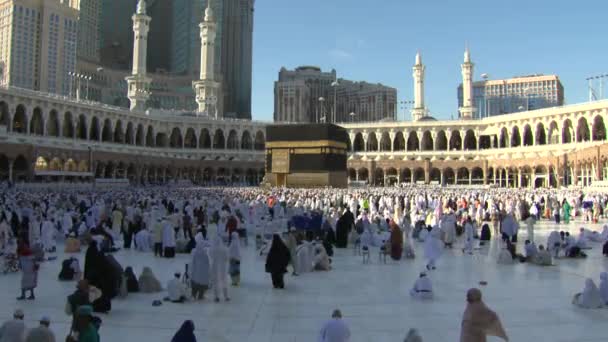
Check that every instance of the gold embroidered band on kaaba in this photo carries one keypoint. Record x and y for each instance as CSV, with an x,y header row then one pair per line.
x,y
305,144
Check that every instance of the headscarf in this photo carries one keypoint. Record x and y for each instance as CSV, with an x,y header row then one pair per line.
x,y
185,333
478,321
234,250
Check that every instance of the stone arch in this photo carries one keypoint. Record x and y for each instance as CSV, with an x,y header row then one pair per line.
x,y
233,140
599,129
441,141
427,143
190,139
139,135
150,137
5,115
470,141
372,142
399,142
176,140
352,174
485,142
56,164
406,175
413,144
567,132
70,165
41,164
109,170
37,122
515,137
21,168
554,134
391,176
52,124
161,140
205,139
94,129
119,134
219,142
541,135
582,130
81,127
106,132
435,176
477,176
463,175
449,177
528,139
359,144
68,125
20,120
129,134
363,175
455,141
419,175
83,166
378,177
503,138
385,142
246,143
260,141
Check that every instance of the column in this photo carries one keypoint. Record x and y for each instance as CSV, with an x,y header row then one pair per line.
x,y
412,177
463,134
357,175
442,181
495,176
507,177
455,177
519,177
10,169
398,176
477,140
532,179
470,177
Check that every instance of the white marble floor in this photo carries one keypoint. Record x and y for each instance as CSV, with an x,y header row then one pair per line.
x,y
533,302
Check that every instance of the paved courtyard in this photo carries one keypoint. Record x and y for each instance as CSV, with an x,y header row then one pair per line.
x,y
533,302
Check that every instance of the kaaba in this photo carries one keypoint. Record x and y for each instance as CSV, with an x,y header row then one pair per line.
x,y
306,155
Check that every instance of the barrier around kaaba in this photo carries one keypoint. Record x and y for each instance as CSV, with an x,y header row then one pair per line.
x,y
306,155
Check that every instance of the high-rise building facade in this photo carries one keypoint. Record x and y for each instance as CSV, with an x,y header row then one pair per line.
x,y
89,29
237,57
496,97
38,40
307,94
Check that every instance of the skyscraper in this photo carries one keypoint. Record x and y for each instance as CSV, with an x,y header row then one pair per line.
x,y
237,50
38,44
89,29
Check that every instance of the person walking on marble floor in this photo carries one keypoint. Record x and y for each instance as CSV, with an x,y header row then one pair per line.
x,y
478,321
219,269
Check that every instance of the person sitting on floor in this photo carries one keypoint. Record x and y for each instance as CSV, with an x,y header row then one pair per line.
x,y
176,289
423,288
132,283
590,298
543,257
148,282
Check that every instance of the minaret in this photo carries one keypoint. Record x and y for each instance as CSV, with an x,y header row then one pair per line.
x,y
139,82
467,110
207,89
419,110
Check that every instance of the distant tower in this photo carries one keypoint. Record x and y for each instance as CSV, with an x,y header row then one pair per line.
x,y
467,110
207,89
138,82
419,110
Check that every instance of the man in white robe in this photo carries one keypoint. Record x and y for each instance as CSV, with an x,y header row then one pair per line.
x,y
168,236
304,258
335,330
604,287
143,241
47,233
433,248
41,333
176,289
590,298
13,330
423,288
219,269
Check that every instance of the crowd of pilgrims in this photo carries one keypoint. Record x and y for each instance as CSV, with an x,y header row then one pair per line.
x,y
296,229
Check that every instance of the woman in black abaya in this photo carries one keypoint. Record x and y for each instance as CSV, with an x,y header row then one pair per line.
x,y
276,261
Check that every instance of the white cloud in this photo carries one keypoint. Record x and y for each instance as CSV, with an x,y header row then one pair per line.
x,y
340,54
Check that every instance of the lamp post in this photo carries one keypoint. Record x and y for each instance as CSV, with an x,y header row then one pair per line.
x,y
404,106
335,85
88,79
592,95
485,77
321,104
352,116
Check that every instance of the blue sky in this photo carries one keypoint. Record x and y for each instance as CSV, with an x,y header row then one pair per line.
x,y
376,41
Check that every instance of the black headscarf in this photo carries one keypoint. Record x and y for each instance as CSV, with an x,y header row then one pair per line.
x,y
185,333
